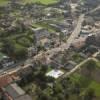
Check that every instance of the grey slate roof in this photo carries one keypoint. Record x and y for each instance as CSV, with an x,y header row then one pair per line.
x,y
14,90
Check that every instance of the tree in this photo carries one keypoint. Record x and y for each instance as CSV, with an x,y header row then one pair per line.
x,y
60,96
50,79
21,53
57,88
8,47
89,94
61,37
45,96
90,66
76,89
44,68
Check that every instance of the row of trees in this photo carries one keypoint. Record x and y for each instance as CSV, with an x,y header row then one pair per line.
x,y
16,53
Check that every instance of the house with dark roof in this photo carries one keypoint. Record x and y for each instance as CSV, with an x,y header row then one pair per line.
x,y
14,92
5,61
41,33
70,65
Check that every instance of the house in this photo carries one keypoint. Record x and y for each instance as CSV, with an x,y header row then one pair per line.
x,y
54,64
5,80
45,43
83,55
40,33
94,39
14,92
32,51
69,65
5,61
86,30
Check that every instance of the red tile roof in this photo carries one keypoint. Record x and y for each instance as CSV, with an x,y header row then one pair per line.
x,y
5,80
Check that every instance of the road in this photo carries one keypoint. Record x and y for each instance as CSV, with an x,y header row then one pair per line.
x,y
82,63
78,66
75,33
71,39
62,47
95,55
51,52
92,11
66,45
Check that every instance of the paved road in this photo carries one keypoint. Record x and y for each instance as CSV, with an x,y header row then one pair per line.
x,y
13,70
92,11
66,45
75,33
82,63
95,55
51,52
78,66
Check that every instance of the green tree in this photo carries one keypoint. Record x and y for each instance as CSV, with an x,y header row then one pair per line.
x,y
60,96
21,53
89,94
90,66
8,47
61,37
57,88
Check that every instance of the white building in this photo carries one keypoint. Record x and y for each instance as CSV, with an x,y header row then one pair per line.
x,y
55,73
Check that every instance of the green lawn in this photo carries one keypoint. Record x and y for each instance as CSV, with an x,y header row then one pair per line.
x,y
77,58
41,1
3,2
96,86
86,83
46,2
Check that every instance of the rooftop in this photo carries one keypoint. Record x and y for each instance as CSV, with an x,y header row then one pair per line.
x,y
55,73
5,80
14,90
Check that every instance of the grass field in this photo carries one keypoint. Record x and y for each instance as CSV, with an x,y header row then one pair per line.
x,y
3,2
86,83
46,2
41,1
96,86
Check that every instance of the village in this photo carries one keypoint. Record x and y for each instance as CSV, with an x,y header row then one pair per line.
x,y
47,51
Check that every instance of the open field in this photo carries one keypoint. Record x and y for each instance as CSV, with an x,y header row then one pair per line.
x,y
88,82
46,2
3,2
41,1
